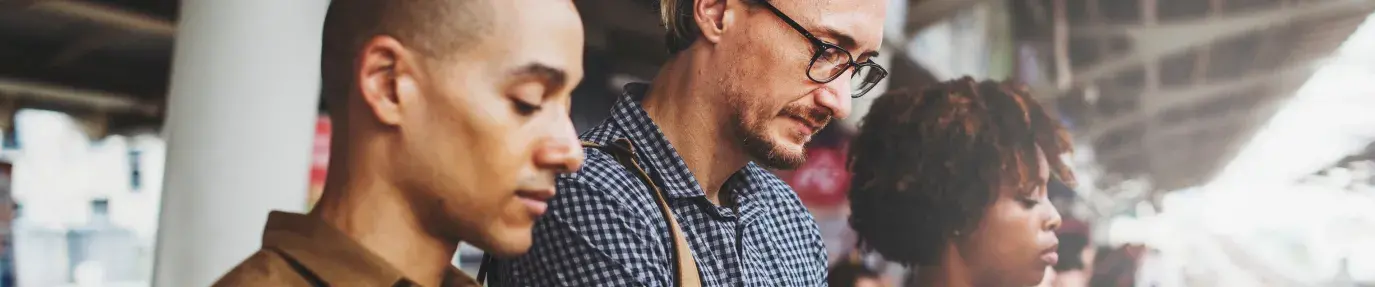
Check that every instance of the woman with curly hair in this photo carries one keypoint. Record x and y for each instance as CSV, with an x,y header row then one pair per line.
x,y
952,181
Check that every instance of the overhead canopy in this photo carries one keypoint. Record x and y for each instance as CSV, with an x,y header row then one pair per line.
x,y
1168,90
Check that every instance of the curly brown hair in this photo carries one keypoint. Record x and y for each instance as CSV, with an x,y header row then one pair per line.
x,y
928,164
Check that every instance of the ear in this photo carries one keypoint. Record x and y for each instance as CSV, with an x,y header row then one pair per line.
x,y
711,18
383,75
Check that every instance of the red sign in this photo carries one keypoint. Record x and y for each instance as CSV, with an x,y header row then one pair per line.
x,y
319,163
823,183
320,157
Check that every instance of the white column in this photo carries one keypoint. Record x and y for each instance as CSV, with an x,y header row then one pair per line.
x,y
245,84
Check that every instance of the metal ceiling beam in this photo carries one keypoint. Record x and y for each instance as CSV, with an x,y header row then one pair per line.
x,y
108,15
621,15
1150,18
1060,34
924,13
84,45
1205,52
1242,133
1172,98
100,101
1216,121
1153,42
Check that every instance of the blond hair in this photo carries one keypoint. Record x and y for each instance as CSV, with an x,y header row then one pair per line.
x,y
677,18
679,25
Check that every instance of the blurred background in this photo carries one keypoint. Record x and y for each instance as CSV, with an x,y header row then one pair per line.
x,y
1220,142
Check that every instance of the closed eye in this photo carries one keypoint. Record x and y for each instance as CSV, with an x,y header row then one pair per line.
x,y
524,108
527,98
532,84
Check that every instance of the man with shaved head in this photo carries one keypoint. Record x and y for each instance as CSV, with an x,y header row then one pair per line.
x,y
451,124
675,190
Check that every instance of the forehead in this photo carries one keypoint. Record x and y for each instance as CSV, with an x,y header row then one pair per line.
x,y
1019,171
547,32
858,19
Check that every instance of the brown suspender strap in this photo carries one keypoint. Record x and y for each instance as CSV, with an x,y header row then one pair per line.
x,y
683,263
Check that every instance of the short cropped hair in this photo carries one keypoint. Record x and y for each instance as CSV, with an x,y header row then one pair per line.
x,y
928,164
432,28
679,23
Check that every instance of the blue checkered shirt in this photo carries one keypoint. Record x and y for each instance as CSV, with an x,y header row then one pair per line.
x,y
604,227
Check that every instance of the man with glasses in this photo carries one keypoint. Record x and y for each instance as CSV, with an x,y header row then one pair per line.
x,y
675,189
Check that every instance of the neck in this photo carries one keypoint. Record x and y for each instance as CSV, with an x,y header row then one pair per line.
x,y
360,202
951,272
696,133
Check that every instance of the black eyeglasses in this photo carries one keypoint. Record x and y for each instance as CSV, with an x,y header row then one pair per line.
x,y
830,61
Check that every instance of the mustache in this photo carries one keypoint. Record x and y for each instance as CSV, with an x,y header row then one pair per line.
x,y
816,117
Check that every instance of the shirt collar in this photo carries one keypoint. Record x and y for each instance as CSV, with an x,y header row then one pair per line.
x,y
334,257
651,146
655,151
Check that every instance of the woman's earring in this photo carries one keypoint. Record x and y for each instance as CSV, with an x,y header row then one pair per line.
x,y
957,233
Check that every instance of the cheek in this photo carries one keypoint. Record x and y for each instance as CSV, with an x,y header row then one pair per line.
x,y
782,72
771,68
497,151
511,155
1019,222
471,143
1008,231
758,109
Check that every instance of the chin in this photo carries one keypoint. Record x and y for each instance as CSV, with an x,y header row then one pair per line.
x,y
1031,279
774,146
509,243
792,150
792,138
791,143
509,249
780,155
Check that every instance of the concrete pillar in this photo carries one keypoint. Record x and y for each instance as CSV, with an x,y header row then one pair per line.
x,y
245,86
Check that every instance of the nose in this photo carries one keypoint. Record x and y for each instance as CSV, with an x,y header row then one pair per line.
x,y
1054,222
836,96
560,149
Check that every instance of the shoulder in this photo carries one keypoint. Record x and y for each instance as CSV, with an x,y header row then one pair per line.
x,y
796,237
263,268
602,178
597,231
792,218
778,192
602,203
603,182
603,193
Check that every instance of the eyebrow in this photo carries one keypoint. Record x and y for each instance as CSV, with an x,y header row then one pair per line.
x,y
553,77
845,40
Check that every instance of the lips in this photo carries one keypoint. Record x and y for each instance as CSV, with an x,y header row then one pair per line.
x,y
811,126
1050,258
813,118
536,201
536,194
1051,255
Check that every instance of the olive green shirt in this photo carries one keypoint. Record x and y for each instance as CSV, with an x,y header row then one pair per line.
x,y
300,250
